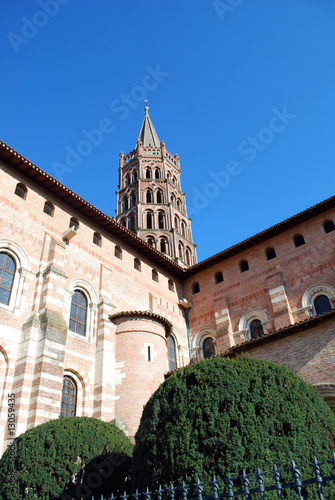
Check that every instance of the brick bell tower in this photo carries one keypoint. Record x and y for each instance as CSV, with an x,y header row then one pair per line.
x,y
150,201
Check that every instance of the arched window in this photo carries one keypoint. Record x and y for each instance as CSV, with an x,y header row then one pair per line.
x,y
154,275
208,348
173,200
149,196
218,278
171,351
78,313
69,397
322,304
74,223
118,252
270,253
148,173
97,239
21,190
157,173
171,285
134,176
159,196
256,329
164,245
132,200
161,219
188,256
195,288
299,240
244,266
151,241
183,229
137,264
123,222
150,217
181,251
127,180
7,273
328,226
131,223
48,208
176,223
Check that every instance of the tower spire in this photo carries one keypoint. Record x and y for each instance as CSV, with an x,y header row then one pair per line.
x,y
148,135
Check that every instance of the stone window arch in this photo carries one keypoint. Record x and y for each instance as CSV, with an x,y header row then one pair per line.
x,y
21,190
48,208
311,294
14,265
80,289
252,323
204,344
328,226
69,397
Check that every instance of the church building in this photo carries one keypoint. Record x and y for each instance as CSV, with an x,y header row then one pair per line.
x,y
96,310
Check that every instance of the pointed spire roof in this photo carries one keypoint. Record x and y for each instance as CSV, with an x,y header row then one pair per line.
x,y
147,134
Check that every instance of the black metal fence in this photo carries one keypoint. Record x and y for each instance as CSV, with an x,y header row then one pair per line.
x,y
249,486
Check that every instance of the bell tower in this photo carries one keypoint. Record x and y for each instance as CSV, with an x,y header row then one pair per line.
x,y
150,201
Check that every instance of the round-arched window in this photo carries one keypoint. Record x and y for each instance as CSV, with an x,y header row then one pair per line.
x,y
78,313
322,304
7,273
208,348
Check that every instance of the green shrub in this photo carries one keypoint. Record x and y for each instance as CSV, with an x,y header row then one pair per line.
x,y
221,416
69,457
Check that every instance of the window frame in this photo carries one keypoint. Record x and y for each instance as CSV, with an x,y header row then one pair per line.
x,y
86,313
72,413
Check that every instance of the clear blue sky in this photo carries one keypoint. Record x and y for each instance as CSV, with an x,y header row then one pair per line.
x,y
243,91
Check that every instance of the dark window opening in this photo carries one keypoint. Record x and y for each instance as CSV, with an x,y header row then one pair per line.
x,y
157,174
171,285
161,220
74,224
299,240
149,196
149,353
244,266
137,265
322,304
195,288
218,277
48,208
328,226
97,239
208,348
131,224
256,329
149,220
159,197
151,241
148,173
21,191
270,253
118,252
154,275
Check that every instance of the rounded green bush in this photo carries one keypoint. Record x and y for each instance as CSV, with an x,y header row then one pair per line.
x,y
221,416
67,458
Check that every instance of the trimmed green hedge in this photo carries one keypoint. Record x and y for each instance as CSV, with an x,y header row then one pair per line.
x,y
69,457
222,415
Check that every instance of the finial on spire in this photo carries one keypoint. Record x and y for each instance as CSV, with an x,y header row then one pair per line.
x,y
146,109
